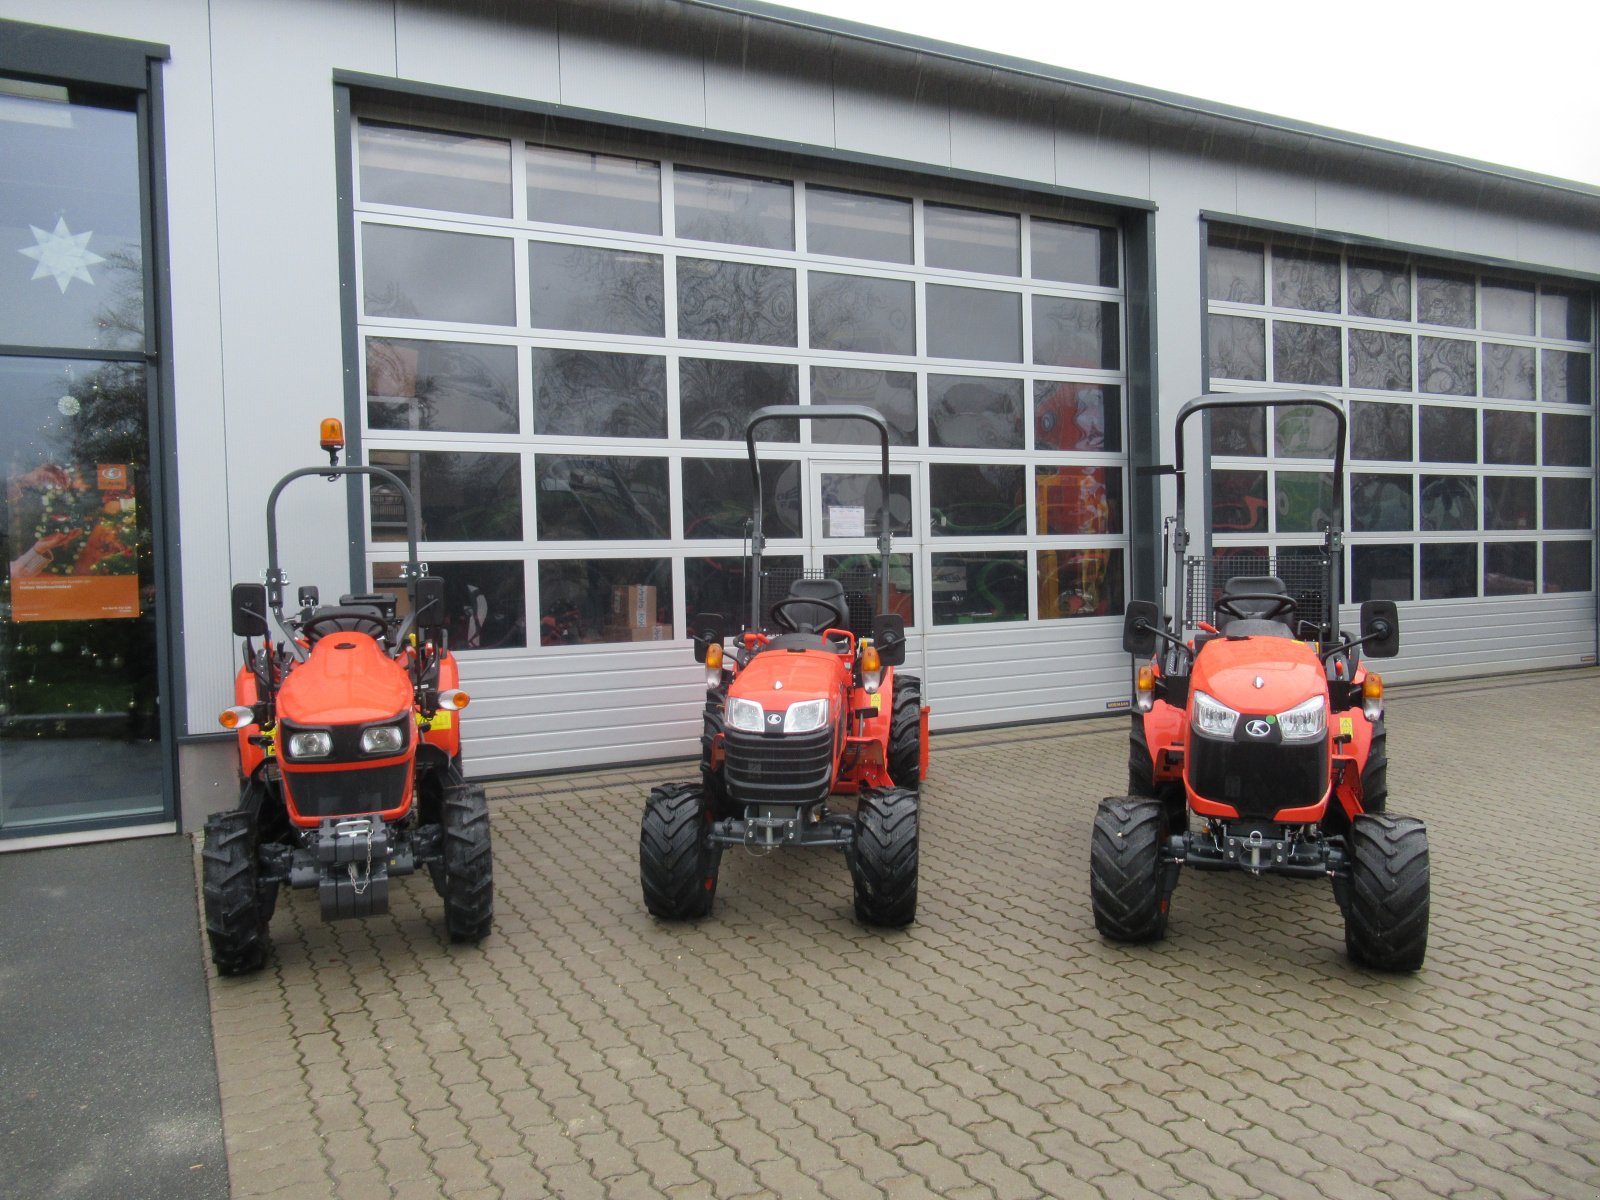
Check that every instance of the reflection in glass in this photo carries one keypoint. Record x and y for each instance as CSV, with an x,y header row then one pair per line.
x,y
853,569
1304,500
968,411
892,393
1303,353
1380,431
1080,583
1235,272
586,393
1566,503
1448,366
977,499
1508,438
1565,377
444,387
590,600
716,498
1305,280
858,313
598,191
1449,570
1564,314
1237,347
716,397
1239,501
1380,289
979,586
1076,333
710,206
1380,503
1507,307
1508,568
1507,372
1446,299
595,289
614,498
485,601
964,239
1076,416
1073,253
1449,502
721,585
430,275
736,302
462,496
1237,431
1447,434
1566,440
974,323
1509,502
429,168
1078,500
858,225
1568,566
1304,431
1381,573
852,501
1380,360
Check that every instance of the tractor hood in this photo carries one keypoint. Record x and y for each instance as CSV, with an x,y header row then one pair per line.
x,y
348,680
775,679
1259,674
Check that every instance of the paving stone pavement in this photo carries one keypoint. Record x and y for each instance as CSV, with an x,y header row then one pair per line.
x,y
996,1048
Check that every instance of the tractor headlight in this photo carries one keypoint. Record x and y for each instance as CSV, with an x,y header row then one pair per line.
x,y
383,739
743,714
1305,722
806,716
309,743
1212,717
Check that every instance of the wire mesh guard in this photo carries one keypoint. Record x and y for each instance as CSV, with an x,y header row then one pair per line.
x,y
1304,575
860,592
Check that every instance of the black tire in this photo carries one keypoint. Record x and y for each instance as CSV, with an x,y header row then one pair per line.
x,y
1141,768
677,865
467,879
1375,771
883,857
1386,922
714,782
905,732
1125,869
236,910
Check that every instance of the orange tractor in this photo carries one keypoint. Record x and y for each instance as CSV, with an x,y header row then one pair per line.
x,y
349,754
1258,741
809,703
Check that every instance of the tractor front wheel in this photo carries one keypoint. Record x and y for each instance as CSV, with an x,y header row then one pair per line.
x,y
1125,869
1375,771
1386,918
237,911
677,864
883,856
714,780
905,732
467,879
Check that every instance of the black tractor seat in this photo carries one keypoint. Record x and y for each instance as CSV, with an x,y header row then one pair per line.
x,y
1253,626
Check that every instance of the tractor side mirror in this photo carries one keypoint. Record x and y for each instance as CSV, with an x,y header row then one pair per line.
x,y
707,630
1380,628
249,610
889,636
427,600
309,596
1139,628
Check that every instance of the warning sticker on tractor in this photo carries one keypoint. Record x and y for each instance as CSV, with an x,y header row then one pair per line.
x,y
1347,727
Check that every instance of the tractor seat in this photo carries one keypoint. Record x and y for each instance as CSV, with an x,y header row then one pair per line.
x,y
1253,626
812,619
345,618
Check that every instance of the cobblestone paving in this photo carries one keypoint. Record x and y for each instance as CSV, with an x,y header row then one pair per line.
x,y
997,1048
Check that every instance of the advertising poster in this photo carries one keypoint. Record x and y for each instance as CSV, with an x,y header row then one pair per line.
x,y
78,533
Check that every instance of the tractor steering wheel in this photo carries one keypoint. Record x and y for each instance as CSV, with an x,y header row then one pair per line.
x,y
1280,604
359,619
779,612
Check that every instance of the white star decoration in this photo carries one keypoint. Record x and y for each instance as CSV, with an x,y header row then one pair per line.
x,y
62,254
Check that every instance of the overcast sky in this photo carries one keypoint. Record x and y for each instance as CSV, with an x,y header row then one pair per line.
x,y
1507,83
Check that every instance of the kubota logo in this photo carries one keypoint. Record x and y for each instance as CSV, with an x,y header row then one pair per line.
x,y
774,718
1258,727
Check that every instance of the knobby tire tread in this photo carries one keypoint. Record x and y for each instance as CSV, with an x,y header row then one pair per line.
x,y
905,732
1386,925
677,866
1125,869
883,857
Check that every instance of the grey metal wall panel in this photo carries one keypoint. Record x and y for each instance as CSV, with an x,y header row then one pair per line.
x,y
642,64
1000,130
891,110
1003,674
482,45
770,89
1452,640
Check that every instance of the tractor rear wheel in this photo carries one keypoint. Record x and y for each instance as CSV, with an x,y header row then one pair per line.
x,y
237,910
714,781
905,732
1125,869
467,879
1375,771
883,856
677,865
1386,920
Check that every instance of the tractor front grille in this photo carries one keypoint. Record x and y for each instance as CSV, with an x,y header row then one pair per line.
x,y
1258,780
792,768
347,793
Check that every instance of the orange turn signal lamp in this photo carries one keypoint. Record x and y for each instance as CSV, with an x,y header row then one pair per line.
x,y
454,699
1144,689
871,667
1372,696
237,717
713,666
